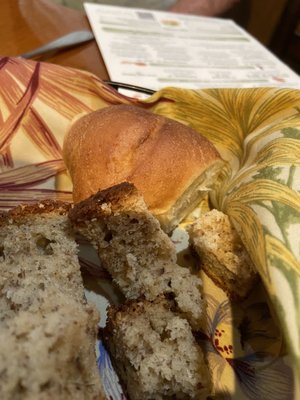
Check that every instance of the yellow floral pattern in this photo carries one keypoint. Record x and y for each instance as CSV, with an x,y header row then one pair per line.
x,y
258,132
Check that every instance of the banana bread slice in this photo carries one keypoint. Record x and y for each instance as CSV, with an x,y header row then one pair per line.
x,y
48,331
131,245
223,256
155,353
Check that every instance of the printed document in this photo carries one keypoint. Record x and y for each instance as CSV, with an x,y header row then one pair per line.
x,y
155,49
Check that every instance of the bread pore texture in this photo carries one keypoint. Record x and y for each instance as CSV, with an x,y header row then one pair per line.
x,y
155,353
48,331
222,254
171,164
138,254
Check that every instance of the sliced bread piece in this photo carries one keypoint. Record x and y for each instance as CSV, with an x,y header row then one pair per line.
x,y
223,256
48,331
140,257
155,353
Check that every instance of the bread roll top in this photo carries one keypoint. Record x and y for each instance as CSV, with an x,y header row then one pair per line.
x,y
161,157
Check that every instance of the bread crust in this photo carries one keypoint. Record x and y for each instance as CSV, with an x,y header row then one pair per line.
x,y
116,196
162,157
21,212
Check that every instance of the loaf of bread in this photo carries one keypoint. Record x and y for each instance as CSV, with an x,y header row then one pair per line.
x,y
48,331
140,257
222,254
172,165
155,353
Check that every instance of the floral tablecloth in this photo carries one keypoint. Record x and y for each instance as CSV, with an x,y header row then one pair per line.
x,y
253,347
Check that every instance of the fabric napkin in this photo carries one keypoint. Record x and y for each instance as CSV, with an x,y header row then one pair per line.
x,y
257,131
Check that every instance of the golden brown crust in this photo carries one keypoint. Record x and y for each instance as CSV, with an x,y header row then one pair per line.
x,y
121,143
19,213
115,196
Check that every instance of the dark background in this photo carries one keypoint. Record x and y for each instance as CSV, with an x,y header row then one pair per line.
x,y
275,23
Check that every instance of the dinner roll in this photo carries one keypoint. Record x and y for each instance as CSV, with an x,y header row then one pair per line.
x,y
172,165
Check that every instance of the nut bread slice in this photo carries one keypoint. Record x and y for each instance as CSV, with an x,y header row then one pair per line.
x,y
223,256
48,331
140,257
155,353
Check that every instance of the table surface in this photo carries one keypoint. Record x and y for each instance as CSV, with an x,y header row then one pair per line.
x,y
27,24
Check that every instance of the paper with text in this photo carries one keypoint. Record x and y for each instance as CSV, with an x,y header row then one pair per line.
x,y
155,49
